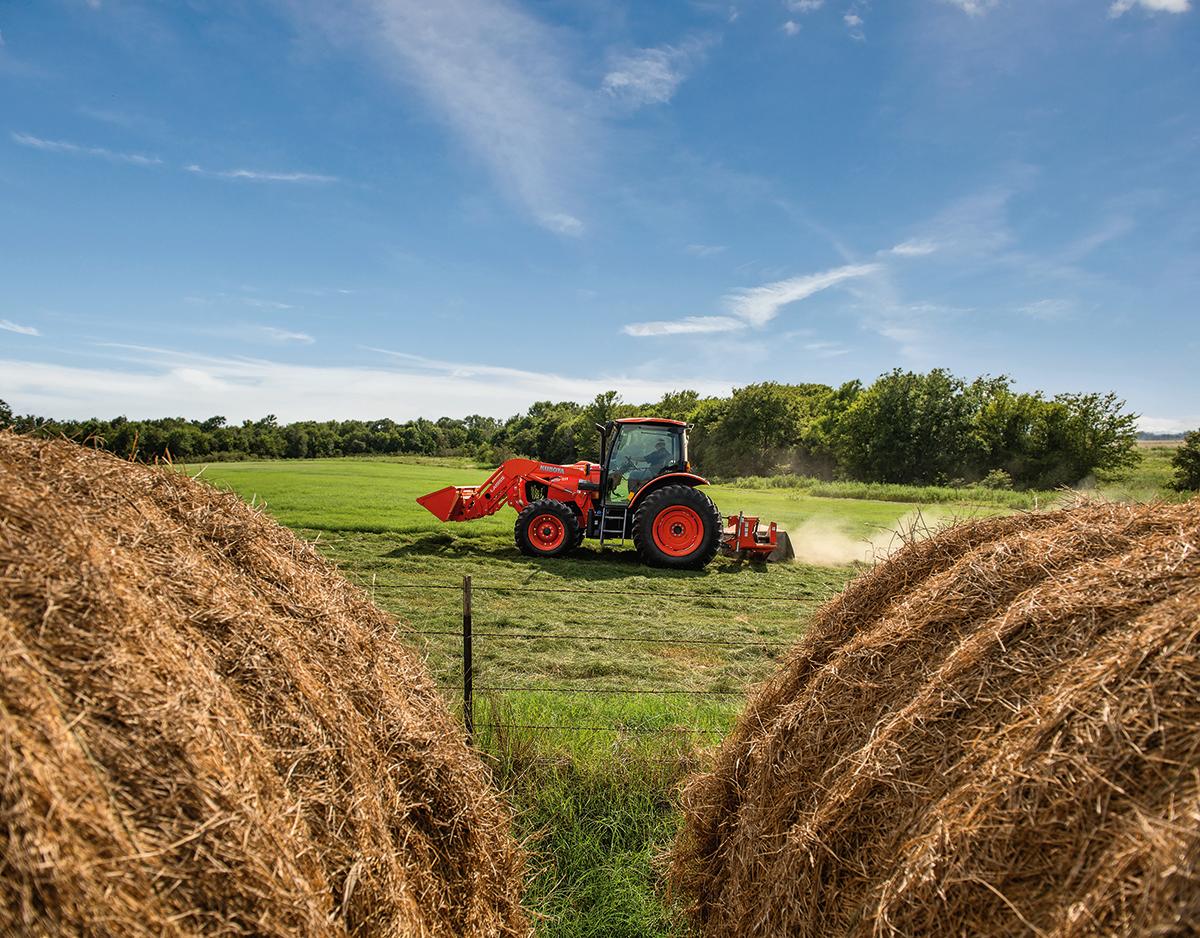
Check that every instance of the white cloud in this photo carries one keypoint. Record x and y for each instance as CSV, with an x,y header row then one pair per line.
x,y
562,223
755,306
1121,7
266,304
689,325
974,7
854,23
804,6
1168,424
62,146
286,335
259,176
705,250
759,305
495,76
9,326
652,76
158,382
791,27
913,248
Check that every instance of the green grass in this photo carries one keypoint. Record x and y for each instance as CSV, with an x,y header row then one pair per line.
x,y
889,492
1148,480
598,806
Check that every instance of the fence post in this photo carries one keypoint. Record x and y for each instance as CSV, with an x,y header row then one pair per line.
x,y
468,666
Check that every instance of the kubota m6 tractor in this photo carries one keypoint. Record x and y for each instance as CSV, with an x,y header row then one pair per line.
x,y
642,488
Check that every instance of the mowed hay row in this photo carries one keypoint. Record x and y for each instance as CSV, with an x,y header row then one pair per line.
x,y
996,732
205,730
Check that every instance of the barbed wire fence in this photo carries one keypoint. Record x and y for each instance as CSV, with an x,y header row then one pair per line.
x,y
468,683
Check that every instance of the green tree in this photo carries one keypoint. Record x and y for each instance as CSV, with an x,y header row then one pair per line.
x,y
6,415
909,427
1186,463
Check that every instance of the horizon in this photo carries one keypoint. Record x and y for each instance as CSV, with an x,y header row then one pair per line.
x,y
439,210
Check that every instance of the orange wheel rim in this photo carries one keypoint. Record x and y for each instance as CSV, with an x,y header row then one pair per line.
x,y
678,531
547,531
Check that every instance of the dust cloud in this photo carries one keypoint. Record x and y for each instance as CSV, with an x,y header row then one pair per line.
x,y
825,542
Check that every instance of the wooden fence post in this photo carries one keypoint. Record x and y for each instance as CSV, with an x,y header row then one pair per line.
x,y
468,666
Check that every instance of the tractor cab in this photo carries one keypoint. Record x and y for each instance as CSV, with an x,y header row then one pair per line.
x,y
637,450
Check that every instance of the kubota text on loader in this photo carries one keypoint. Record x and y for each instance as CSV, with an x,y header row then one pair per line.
x,y
642,488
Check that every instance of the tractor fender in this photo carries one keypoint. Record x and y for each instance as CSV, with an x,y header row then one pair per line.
x,y
671,478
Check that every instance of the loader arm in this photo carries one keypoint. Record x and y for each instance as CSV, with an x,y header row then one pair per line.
x,y
508,485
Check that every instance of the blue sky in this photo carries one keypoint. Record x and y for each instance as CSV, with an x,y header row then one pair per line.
x,y
399,208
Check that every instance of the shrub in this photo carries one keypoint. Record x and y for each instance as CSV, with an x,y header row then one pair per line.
x,y
1187,464
997,479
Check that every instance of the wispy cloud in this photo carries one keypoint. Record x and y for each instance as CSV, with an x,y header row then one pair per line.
x,y
652,76
9,326
804,6
255,175
139,159
266,304
974,7
705,250
689,325
495,76
286,335
791,27
827,349
1050,310
759,305
75,149
1121,7
755,306
913,248
974,225
854,23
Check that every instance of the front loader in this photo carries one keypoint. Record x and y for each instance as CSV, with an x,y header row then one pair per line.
x,y
642,489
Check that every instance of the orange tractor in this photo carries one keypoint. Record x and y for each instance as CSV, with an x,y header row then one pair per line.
x,y
641,489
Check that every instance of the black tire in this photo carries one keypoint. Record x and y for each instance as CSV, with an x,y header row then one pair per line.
x,y
551,538
706,539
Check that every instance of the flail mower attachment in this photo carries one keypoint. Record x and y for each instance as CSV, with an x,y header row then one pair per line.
x,y
743,540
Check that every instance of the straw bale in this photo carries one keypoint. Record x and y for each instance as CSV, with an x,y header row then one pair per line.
x,y
996,732
204,729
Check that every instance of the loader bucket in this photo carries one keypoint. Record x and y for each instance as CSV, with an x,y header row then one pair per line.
x,y
442,503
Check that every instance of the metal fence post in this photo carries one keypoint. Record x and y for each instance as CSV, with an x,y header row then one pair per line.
x,y
468,666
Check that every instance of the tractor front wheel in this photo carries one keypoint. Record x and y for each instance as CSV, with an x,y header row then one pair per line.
x,y
546,528
677,526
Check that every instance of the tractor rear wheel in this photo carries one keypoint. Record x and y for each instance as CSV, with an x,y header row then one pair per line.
x,y
677,526
546,528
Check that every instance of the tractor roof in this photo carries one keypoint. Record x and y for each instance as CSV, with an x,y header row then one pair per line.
x,y
662,420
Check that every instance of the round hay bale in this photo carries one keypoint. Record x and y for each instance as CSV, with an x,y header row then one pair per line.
x,y
205,730
996,732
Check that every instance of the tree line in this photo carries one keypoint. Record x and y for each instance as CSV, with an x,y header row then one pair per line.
x,y
930,428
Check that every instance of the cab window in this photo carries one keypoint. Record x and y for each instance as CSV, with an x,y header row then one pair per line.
x,y
641,453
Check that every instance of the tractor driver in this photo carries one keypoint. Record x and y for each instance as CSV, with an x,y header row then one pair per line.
x,y
657,460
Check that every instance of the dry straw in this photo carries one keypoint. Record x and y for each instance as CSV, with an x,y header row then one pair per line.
x,y
996,732
204,730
